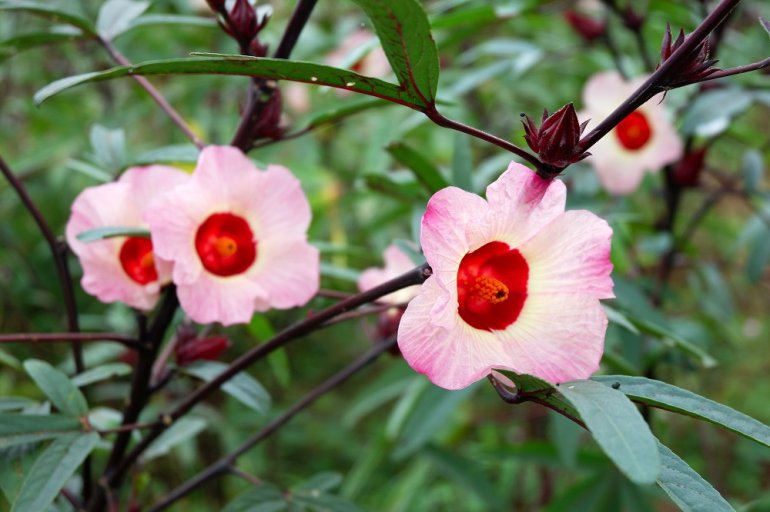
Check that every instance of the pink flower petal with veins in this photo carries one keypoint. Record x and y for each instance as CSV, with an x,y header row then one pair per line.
x,y
396,264
237,237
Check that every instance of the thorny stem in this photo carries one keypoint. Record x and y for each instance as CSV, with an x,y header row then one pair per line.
x,y
227,462
297,330
70,337
657,80
164,105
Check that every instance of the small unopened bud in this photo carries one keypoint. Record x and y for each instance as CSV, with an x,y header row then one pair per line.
x,y
191,350
697,66
590,29
216,5
387,326
268,125
557,141
244,21
632,19
687,172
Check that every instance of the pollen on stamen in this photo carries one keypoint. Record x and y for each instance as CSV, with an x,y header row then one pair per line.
x,y
491,289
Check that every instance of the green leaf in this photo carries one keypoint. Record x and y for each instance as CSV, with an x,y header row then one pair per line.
x,y
100,373
23,428
109,147
323,503
765,24
462,163
8,360
687,488
710,113
406,192
752,169
467,473
115,16
59,389
58,34
92,235
184,429
404,31
149,20
277,69
322,482
52,469
432,410
424,170
242,387
617,427
340,112
179,153
263,498
14,403
671,398
48,10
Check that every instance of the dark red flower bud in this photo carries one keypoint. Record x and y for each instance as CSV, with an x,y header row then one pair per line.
x,y
632,19
588,28
268,125
687,172
557,141
216,5
188,351
244,21
697,65
387,326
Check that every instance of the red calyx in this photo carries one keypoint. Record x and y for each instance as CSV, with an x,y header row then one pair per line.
x,y
189,350
687,172
698,64
557,141
588,28
244,21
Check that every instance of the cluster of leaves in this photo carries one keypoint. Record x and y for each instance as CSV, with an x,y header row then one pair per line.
x,y
439,444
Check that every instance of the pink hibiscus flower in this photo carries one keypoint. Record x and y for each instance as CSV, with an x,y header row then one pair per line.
x,y
237,237
643,142
122,269
516,285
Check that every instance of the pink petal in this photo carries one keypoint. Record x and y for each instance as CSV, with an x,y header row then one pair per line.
x,y
288,272
220,173
520,204
557,337
174,219
444,236
604,92
279,204
149,182
106,280
451,358
571,255
227,300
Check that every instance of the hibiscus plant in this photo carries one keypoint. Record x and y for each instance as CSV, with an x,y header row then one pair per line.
x,y
353,181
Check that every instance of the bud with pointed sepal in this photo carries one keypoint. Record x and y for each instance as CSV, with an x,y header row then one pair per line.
x,y
243,21
696,67
687,172
189,350
557,141
590,29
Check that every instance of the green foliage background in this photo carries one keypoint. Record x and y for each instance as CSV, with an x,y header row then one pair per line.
x,y
399,443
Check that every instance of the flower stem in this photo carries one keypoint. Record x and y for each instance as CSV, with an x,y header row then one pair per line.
x,y
164,105
226,463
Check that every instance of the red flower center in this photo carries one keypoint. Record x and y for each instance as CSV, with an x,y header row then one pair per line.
x,y
634,131
225,244
492,286
137,260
